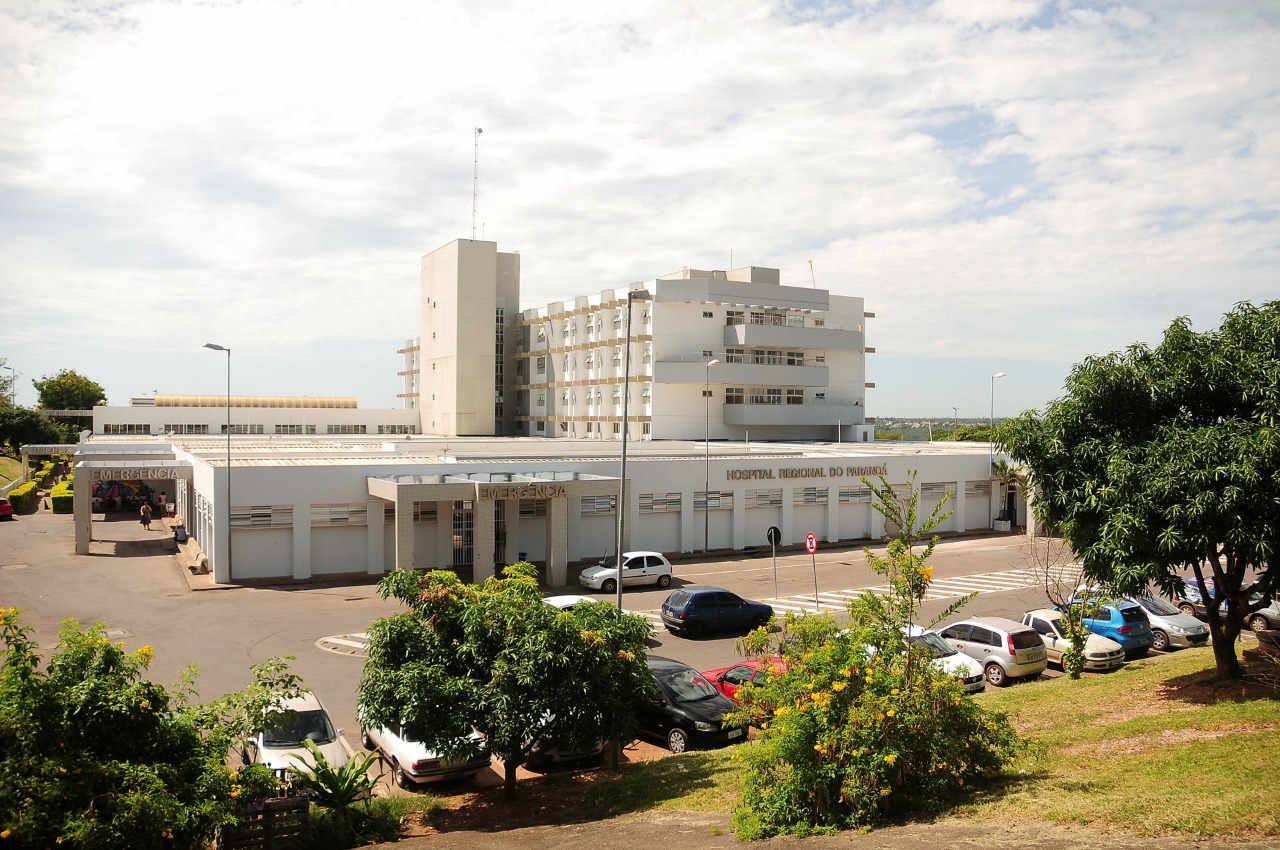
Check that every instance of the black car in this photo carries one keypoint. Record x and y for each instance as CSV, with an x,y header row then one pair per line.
x,y
696,610
687,711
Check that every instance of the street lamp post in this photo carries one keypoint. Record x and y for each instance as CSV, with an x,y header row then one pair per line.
x,y
13,386
706,487
216,347
955,422
991,443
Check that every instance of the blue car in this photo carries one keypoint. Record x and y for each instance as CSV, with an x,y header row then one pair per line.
x,y
696,610
1125,623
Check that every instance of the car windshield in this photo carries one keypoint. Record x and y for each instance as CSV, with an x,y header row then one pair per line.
x,y
301,726
938,648
685,685
1156,605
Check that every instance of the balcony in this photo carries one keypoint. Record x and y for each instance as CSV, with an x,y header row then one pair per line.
x,y
781,375
812,412
791,337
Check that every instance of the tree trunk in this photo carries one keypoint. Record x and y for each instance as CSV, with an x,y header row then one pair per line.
x,y
509,776
1224,651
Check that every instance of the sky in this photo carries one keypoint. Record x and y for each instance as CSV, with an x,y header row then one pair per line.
x,y
1012,185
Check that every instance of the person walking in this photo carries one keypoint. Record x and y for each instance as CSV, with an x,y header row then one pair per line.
x,y
146,516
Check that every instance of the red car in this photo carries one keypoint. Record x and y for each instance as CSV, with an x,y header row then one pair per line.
x,y
727,680
6,509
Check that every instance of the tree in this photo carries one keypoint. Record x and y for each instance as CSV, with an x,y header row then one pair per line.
x,y
1049,560
495,659
1161,460
856,724
68,390
21,426
94,755
7,380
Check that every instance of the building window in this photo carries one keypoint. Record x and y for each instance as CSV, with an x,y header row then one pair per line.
x,y
657,503
855,494
937,489
542,365
533,508
295,429
648,353
819,358
794,358
734,317
617,354
647,392
346,429
243,429
735,355
185,429
795,396
340,514
590,425
589,361
541,426
734,395
809,496
542,333
819,323
766,498
542,399
463,532
617,428
706,352
977,488
707,314
617,317
131,428
598,505
646,428
397,429
765,395
262,516
715,500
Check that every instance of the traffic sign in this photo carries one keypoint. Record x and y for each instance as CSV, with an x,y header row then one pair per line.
x,y
773,535
811,543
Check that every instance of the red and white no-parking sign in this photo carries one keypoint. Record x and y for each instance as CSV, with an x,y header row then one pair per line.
x,y
811,543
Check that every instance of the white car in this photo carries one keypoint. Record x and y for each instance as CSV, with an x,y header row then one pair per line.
x,y
637,568
568,600
413,764
1100,653
305,719
950,661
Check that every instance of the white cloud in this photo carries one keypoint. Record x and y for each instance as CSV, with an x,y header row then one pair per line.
x,y
1002,180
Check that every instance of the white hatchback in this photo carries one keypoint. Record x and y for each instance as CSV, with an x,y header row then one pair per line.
x,y
637,568
305,719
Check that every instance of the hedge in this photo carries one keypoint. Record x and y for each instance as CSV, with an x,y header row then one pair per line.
x,y
62,497
23,497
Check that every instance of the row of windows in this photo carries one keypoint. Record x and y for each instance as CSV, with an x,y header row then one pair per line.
x,y
762,395
777,317
590,360
657,503
768,357
253,428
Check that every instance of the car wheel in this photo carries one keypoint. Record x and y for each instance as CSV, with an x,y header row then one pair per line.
x,y
664,581
1159,641
696,630
1258,623
366,741
402,778
760,620
609,586
995,675
678,740
1188,609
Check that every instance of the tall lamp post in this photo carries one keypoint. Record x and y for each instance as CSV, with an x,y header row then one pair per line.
x,y
216,347
13,386
955,422
991,444
706,487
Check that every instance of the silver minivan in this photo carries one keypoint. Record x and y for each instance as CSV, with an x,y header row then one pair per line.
x,y
1006,649
1170,627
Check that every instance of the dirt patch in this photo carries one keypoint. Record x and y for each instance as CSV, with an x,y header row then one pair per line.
x,y
1261,681
1169,737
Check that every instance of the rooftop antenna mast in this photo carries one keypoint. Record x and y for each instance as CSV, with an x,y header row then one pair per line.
x,y
475,183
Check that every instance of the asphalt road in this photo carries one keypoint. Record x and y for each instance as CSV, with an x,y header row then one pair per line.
x,y
131,582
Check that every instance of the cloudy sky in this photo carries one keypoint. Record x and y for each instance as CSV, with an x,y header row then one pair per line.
x,y
1011,185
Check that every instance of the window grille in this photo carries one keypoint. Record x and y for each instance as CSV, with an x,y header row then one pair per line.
x,y
598,505
346,429
657,503
770,497
734,395
425,512
809,496
262,516
716,500
339,514
936,489
397,429
532,508
855,494
132,428
977,488
795,396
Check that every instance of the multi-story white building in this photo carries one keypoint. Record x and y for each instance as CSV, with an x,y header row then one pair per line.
x,y
724,355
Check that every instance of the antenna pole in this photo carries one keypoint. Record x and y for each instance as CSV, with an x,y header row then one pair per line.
x,y
475,182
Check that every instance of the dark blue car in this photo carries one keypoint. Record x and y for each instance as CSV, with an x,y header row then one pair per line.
x,y
696,610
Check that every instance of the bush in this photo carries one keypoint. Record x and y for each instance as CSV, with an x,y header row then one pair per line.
x,y
23,497
859,725
62,498
386,815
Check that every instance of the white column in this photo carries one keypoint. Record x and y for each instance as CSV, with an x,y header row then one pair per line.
x,y
302,540
374,536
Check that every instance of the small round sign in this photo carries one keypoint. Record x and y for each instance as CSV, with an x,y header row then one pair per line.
x,y
811,543
773,535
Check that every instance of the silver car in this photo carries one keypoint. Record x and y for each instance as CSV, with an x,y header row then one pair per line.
x,y
1005,649
1170,628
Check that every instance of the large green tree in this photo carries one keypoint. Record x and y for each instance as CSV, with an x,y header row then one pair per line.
x,y
19,426
1161,460
495,659
69,390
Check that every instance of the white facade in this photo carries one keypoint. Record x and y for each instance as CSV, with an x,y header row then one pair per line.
x,y
725,355
251,415
323,508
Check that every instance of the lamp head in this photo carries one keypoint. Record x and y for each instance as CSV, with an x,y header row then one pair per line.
x,y
997,375
216,347
711,363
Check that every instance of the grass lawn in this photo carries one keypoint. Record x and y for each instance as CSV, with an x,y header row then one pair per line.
x,y
1155,747
10,469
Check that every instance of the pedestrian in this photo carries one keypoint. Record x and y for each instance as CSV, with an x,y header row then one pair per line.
x,y
146,516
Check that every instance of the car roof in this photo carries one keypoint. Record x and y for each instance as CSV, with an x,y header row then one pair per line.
x,y
703,588
657,661
639,552
307,702
568,600
1047,613
1004,624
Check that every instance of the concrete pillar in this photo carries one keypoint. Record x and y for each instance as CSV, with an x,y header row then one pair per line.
x,y
374,537
957,506
82,506
404,531
740,520
557,542
301,540
482,528
790,534
833,512
511,515
444,535
690,524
